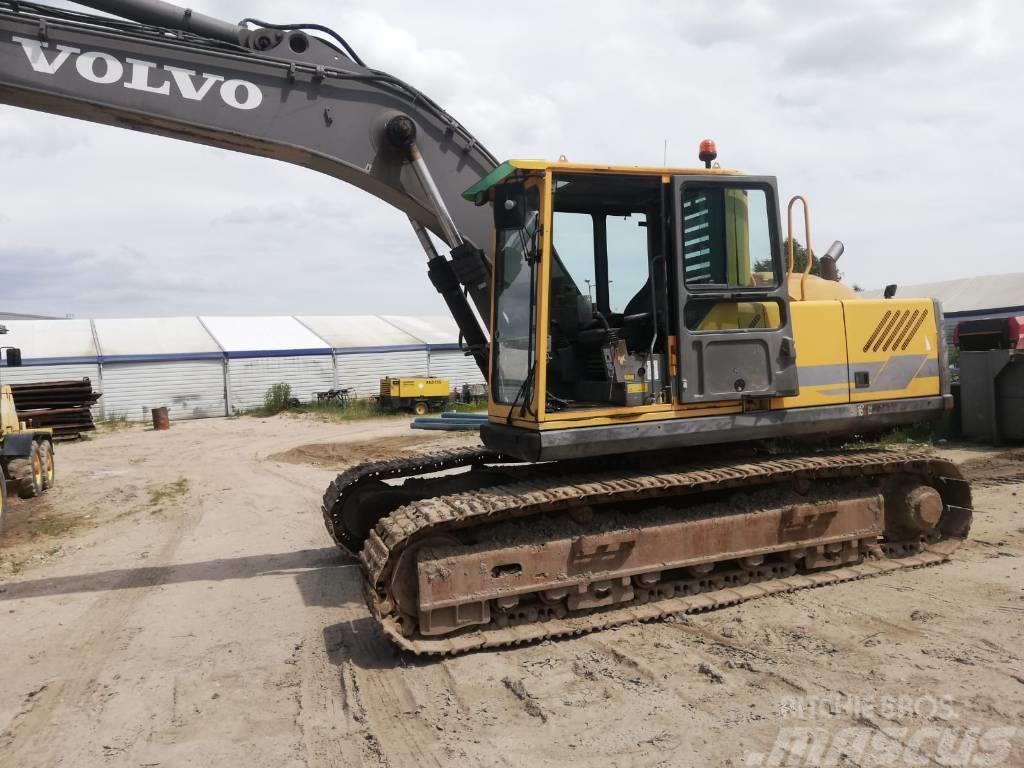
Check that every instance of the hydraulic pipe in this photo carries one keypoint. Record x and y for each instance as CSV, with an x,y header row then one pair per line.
x,y
424,238
163,14
401,132
444,218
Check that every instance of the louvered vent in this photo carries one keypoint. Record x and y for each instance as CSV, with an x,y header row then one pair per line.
x,y
895,330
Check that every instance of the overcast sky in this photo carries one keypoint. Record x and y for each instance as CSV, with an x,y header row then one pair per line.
x,y
902,122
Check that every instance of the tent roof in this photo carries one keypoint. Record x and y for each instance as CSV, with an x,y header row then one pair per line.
x,y
163,337
969,294
54,341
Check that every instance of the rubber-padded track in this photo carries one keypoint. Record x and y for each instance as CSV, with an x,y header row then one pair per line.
x,y
543,493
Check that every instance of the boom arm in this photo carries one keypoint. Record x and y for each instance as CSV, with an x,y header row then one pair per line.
x,y
275,92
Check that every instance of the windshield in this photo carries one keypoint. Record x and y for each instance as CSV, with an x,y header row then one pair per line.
x,y
513,306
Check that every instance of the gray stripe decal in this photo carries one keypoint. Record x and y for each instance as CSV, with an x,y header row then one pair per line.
x,y
929,369
894,374
822,375
897,373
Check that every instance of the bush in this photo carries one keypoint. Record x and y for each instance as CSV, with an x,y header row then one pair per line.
x,y
276,399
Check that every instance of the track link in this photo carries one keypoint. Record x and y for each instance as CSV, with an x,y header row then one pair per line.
x,y
539,490
349,482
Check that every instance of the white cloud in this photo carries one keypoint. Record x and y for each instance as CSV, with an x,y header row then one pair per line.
x,y
899,119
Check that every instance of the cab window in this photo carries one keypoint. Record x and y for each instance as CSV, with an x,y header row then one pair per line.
x,y
726,237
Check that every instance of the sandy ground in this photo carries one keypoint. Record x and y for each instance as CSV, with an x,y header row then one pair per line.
x,y
175,601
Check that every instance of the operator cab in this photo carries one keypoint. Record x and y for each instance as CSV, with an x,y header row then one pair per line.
x,y
621,291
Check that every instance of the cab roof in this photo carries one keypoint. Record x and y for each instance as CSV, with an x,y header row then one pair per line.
x,y
509,167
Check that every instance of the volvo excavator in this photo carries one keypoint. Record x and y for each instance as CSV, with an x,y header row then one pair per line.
x,y
662,379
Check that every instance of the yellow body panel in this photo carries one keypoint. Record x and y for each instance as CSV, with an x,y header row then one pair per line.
x,y
414,387
830,338
818,289
831,330
8,415
9,423
896,343
732,315
820,336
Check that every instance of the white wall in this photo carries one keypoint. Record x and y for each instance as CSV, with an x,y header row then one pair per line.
x,y
456,367
190,389
70,372
364,370
251,377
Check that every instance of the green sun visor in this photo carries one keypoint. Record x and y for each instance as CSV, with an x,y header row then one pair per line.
x,y
496,176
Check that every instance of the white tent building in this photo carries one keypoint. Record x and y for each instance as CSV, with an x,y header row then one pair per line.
x,y
445,360
52,350
216,366
167,361
367,348
969,298
263,351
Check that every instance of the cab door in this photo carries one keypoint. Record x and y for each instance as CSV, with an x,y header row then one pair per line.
x,y
732,306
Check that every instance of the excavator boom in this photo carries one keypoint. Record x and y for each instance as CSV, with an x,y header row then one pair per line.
x,y
281,93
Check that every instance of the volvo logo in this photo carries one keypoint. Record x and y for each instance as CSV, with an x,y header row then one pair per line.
x,y
139,75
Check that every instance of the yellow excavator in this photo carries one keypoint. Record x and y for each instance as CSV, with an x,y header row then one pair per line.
x,y
663,381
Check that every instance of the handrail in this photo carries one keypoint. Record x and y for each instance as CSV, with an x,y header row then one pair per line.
x,y
807,237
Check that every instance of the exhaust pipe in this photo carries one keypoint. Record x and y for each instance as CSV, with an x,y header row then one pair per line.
x,y
828,268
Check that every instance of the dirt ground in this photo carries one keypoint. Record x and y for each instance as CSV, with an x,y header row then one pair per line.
x,y
175,601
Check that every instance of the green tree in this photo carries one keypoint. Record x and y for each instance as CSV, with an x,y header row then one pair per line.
x,y
799,260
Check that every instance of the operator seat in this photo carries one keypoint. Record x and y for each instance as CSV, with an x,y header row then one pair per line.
x,y
641,301
638,331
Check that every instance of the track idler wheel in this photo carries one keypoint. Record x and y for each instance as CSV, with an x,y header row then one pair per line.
x,y
924,507
912,511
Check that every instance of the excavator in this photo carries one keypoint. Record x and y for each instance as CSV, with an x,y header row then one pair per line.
x,y
664,383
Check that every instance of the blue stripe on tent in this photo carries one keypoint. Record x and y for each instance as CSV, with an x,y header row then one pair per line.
x,y
973,312
58,361
236,354
396,348
370,350
161,358
180,356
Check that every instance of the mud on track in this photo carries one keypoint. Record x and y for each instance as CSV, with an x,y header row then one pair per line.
x,y
219,626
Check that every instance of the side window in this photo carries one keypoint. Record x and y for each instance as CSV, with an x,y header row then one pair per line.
x,y
726,238
627,258
573,241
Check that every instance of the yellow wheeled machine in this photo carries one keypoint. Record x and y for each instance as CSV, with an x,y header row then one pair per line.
x,y
26,455
418,395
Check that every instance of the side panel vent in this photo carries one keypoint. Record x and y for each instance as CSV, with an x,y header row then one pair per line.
x,y
895,330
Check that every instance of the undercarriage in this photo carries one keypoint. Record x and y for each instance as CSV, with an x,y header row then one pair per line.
x,y
466,549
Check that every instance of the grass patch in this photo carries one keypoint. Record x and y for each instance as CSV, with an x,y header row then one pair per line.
x,y
168,491
50,527
15,565
278,399
113,423
477,407
921,433
356,410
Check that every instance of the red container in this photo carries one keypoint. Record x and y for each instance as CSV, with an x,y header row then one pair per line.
x,y
160,419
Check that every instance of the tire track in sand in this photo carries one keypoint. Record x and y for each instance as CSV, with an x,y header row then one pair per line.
x,y
41,733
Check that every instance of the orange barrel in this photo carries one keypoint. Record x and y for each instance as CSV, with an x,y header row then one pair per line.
x,y
160,419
